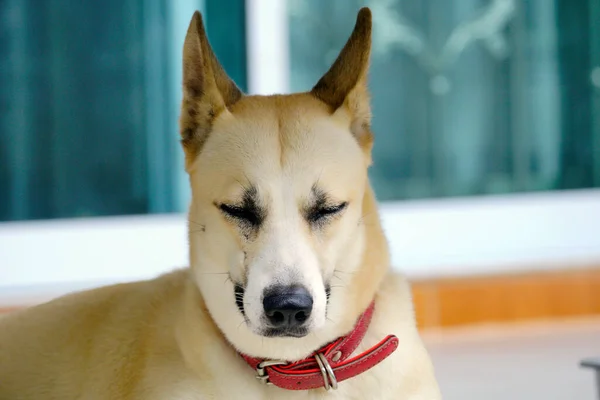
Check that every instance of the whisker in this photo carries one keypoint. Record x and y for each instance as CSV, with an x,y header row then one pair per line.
x,y
342,279
343,272
319,177
367,215
363,219
201,227
247,185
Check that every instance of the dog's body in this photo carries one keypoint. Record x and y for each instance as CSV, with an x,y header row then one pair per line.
x,y
286,252
155,340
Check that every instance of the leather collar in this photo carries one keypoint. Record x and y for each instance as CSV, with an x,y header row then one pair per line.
x,y
328,365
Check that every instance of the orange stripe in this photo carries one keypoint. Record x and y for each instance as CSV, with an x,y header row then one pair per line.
x,y
507,298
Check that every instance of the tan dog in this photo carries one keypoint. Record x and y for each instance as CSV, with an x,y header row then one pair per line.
x,y
287,253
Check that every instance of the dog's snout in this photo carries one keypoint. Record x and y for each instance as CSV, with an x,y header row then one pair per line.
x,y
287,306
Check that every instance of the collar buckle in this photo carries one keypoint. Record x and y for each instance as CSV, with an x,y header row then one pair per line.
x,y
261,373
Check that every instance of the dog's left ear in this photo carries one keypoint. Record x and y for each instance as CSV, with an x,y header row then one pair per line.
x,y
207,90
345,84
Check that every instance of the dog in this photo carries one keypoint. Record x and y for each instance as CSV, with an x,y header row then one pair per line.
x,y
289,293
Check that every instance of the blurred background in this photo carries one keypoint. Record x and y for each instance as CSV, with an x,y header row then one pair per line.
x,y
486,159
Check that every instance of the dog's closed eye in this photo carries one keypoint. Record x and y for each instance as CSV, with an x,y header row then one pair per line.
x,y
249,215
321,213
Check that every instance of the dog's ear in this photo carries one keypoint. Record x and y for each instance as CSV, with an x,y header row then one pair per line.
x,y
345,84
207,90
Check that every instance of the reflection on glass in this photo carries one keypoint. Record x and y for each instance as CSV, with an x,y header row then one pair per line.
x,y
470,97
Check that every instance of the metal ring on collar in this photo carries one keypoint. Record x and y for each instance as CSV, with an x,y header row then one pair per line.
x,y
327,372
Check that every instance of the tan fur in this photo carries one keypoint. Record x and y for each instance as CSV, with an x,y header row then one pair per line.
x,y
174,337
207,90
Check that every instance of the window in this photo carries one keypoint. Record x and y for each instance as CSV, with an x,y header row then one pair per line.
x,y
469,97
90,96
476,104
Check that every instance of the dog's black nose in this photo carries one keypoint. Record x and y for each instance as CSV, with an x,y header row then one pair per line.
x,y
287,306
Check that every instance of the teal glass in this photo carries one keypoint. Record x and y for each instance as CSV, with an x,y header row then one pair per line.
x,y
90,95
470,97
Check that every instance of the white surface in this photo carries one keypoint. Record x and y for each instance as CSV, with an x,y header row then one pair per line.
x,y
495,233
51,257
427,238
518,362
267,43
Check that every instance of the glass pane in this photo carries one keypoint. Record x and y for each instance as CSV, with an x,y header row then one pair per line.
x,y
470,97
89,95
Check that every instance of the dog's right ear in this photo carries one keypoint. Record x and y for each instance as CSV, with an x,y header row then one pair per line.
x,y
207,90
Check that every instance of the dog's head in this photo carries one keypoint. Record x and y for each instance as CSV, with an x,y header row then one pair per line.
x,y
281,204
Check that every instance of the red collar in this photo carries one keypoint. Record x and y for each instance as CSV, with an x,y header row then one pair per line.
x,y
328,365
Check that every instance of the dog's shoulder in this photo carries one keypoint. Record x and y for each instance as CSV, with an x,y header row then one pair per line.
x,y
93,306
98,336
409,369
